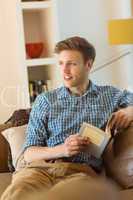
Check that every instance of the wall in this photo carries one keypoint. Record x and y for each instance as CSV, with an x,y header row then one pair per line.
x,y
12,92
89,19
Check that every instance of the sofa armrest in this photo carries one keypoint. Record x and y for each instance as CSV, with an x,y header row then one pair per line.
x,y
4,149
118,158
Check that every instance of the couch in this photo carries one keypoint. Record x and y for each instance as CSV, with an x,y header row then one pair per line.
x,y
118,157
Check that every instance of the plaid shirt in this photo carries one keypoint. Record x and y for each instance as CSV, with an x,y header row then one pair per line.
x,y
57,114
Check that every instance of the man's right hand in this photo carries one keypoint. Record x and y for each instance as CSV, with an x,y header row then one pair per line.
x,y
75,144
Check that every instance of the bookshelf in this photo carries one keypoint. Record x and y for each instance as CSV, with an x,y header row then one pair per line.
x,y
38,35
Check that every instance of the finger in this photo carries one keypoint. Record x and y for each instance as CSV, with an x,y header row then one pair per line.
x,y
110,120
117,118
79,142
74,136
74,148
112,123
86,139
124,123
77,139
119,121
78,147
70,138
73,153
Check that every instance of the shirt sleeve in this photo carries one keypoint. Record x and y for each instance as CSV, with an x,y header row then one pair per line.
x,y
126,99
36,130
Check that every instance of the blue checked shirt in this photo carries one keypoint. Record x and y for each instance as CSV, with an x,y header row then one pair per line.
x,y
57,114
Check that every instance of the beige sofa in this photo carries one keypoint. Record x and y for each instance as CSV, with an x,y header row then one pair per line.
x,y
17,132
5,180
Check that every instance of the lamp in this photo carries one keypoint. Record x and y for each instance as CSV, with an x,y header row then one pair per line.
x,y
120,31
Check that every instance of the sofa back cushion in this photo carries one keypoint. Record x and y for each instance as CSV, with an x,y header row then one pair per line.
x,y
15,137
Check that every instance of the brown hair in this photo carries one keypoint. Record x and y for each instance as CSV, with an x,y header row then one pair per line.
x,y
77,43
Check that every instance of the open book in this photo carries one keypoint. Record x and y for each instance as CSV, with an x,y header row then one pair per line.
x,y
98,138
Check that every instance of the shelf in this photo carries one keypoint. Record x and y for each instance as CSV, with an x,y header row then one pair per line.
x,y
35,5
38,27
40,61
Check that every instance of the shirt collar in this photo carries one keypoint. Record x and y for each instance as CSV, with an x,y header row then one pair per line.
x,y
64,93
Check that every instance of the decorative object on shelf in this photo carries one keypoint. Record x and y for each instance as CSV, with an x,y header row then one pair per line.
x,y
34,50
120,31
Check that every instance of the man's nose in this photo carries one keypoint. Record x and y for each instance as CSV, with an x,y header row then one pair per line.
x,y
66,68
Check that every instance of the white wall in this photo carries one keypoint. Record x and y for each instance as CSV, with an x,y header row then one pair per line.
x,y
12,92
88,19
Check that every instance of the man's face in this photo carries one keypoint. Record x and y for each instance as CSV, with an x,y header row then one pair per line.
x,y
73,68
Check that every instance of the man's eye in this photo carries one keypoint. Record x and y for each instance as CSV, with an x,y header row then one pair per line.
x,y
68,64
73,63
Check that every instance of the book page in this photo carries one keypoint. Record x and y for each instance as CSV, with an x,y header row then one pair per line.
x,y
94,136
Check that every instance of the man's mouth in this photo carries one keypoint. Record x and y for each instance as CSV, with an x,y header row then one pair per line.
x,y
67,78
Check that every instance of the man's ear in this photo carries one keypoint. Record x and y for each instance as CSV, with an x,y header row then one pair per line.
x,y
89,64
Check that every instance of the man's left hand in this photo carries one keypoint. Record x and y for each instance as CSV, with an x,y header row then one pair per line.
x,y
122,118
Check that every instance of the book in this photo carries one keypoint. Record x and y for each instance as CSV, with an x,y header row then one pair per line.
x,y
99,139
36,87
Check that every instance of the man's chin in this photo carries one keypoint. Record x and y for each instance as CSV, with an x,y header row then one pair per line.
x,y
68,85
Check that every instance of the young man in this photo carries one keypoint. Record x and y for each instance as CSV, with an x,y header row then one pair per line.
x,y
53,149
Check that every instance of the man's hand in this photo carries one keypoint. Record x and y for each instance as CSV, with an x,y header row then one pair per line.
x,y
122,118
72,146
75,144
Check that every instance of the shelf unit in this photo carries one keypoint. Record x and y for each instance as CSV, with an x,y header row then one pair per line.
x,y
38,23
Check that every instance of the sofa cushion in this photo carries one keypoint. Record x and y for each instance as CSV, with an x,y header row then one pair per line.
x,y
126,194
118,158
5,180
15,137
19,117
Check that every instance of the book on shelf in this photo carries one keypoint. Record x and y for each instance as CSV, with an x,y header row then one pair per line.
x,y
36,87
99,139
49,85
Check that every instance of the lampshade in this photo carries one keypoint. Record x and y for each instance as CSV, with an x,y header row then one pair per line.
x,y
120,31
